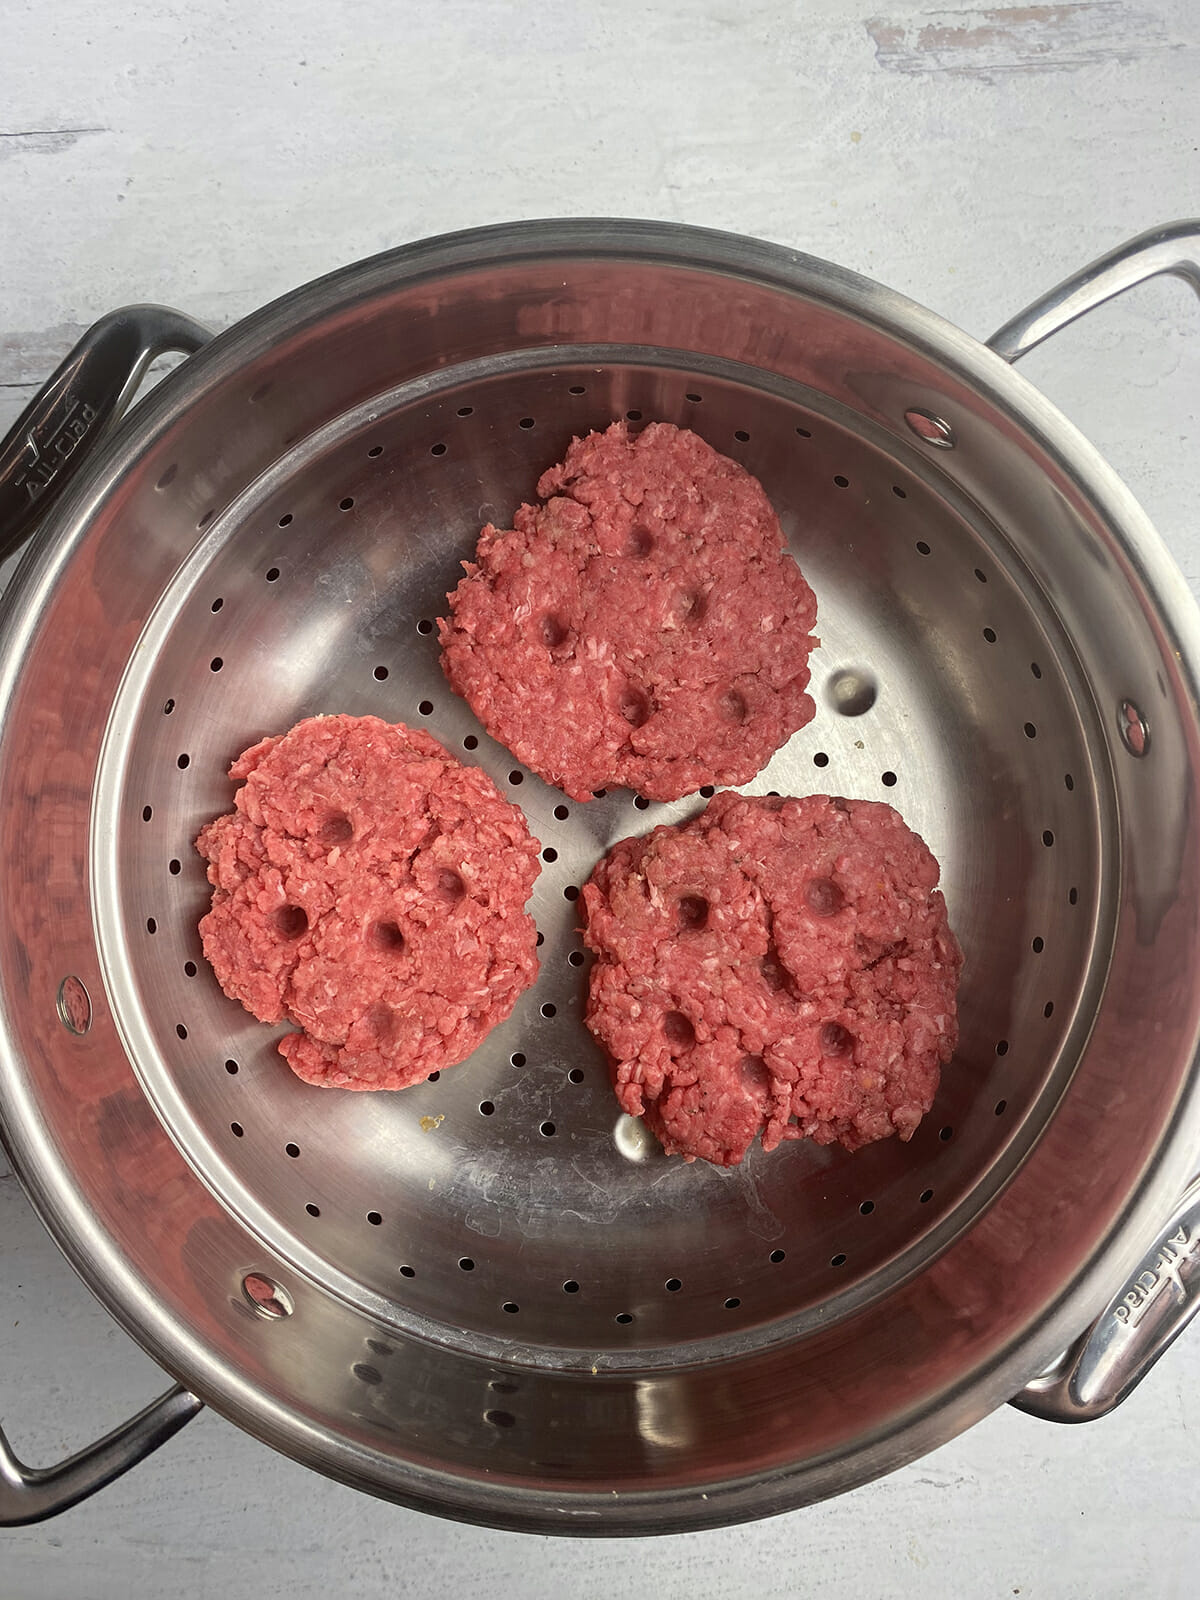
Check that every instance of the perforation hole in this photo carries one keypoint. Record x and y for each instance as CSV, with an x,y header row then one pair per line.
x,y
272,574
487,1108
236,1130
707,791
576,388
381,673
313,1211
184,762
346,503
570,1287
732,1303
1048,1010
231,1067
981,574
516,777
741,436
549,1009
547,1130
470,742
777,1256
1047,837
841,481
838,1260
217,604
576,1075
168,707
1030,731
517,1058
571,892
425,708
923,548
438,449
215,664
901,494
946,1134
1000,1108
466,1264
174,867
286,519
1039,944
624,1318
1002,1047
633,416
1068,780
550,854
562,813
1035,669
465,411
889,780
181,1030
925,1196
1073,895
641,802
693,397
526,423
375,451
820,759
189,969
990,635
867,1207
425,626
804,433
292,1150
147,813
673,1285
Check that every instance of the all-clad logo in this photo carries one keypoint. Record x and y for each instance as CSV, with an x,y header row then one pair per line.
x,y
1147,1285
42,464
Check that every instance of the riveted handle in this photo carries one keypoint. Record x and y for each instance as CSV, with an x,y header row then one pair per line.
x,y
1147,1313
86,395
1174,248
30,1494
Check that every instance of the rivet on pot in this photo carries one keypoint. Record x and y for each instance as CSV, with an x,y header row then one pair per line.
x,y
74,1006
1135,730
933,430
266,1298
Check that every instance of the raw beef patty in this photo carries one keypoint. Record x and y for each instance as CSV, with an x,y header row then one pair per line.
x,y
372,890
773,967
645,626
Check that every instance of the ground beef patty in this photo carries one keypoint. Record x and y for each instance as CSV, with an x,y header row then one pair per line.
x,y
644,627
372,890
782,967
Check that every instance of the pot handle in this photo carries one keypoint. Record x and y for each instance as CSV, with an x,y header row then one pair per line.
x,y
87,394
1173,248
30,1494
1159,1299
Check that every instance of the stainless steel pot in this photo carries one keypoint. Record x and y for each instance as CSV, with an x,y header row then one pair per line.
x,y
487,1297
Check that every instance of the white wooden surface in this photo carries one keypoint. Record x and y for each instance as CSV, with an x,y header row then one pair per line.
x,y
213,154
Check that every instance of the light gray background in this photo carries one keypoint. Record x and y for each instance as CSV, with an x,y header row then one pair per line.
x,y
214,153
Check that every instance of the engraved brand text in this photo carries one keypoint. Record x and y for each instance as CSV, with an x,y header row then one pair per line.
x,y
42,463
1154,1279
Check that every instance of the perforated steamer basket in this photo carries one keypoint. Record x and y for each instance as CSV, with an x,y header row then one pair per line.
x,y
490,1296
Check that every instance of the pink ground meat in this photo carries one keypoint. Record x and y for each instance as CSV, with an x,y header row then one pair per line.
x,y
370,889
644,626
781,968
